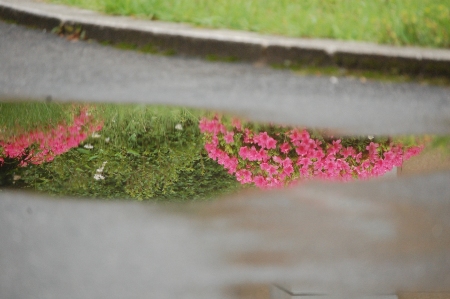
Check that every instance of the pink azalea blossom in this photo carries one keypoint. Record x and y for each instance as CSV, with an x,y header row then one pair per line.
x,y
349,151
50,143
237,124
271,144
244,152
244,176
295,135
261,162
302,149
285,148
260,181
229,137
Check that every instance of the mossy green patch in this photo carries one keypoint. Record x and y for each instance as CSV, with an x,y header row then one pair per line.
x,y
362,75
212,57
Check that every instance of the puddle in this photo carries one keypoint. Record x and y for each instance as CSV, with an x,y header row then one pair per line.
x,y
302,235
176,154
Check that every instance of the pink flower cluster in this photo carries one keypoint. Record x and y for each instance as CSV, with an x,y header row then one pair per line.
x,y
292,154
41,146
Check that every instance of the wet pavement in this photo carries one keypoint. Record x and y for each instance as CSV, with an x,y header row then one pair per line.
x,y
380,237
38,65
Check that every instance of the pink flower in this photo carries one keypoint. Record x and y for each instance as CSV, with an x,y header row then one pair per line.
x,y
295,135
269,168
260,181
305,136
262,155
316,154
372,147
305,162
261,139
237,124
413,151
264,140
253,154
277,159
204,125
265,165
244,176
357,157
230,163
50,143
349,151
304,172
285,147
248,136
210,147
302,149
244,152
271,144
336,147
229,137
288,170
311,144
286,162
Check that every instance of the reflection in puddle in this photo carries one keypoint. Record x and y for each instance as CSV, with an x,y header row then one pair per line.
x,y
271,156
145,152
384,235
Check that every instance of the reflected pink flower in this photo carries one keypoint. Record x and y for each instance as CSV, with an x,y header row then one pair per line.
x,y
229,137
260,181
51,143
244,176
285,148
237,124
302,149
264,164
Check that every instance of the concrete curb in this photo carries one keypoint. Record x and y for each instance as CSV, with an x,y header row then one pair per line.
x,y
187,40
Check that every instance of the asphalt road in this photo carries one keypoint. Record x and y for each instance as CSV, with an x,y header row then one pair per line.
x,y
35,64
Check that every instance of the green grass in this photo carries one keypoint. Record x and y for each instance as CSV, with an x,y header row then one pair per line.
x,y
156,121
398,22
17,118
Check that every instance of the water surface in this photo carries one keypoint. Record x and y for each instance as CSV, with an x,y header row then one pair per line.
x,y
175,153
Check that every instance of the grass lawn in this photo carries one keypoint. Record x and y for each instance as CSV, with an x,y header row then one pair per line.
x,y
398,22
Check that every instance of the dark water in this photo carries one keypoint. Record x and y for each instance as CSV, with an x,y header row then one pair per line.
x,y
177,154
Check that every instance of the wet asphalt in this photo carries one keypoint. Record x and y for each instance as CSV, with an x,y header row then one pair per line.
x,y
36,65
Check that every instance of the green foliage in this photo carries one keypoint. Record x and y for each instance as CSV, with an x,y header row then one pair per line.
x,y
399,22
442,142
147,158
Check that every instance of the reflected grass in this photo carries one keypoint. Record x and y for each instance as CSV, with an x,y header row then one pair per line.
x,y
162,153
142,153
18,117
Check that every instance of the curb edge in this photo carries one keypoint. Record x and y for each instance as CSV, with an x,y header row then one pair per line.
x,y
187,40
